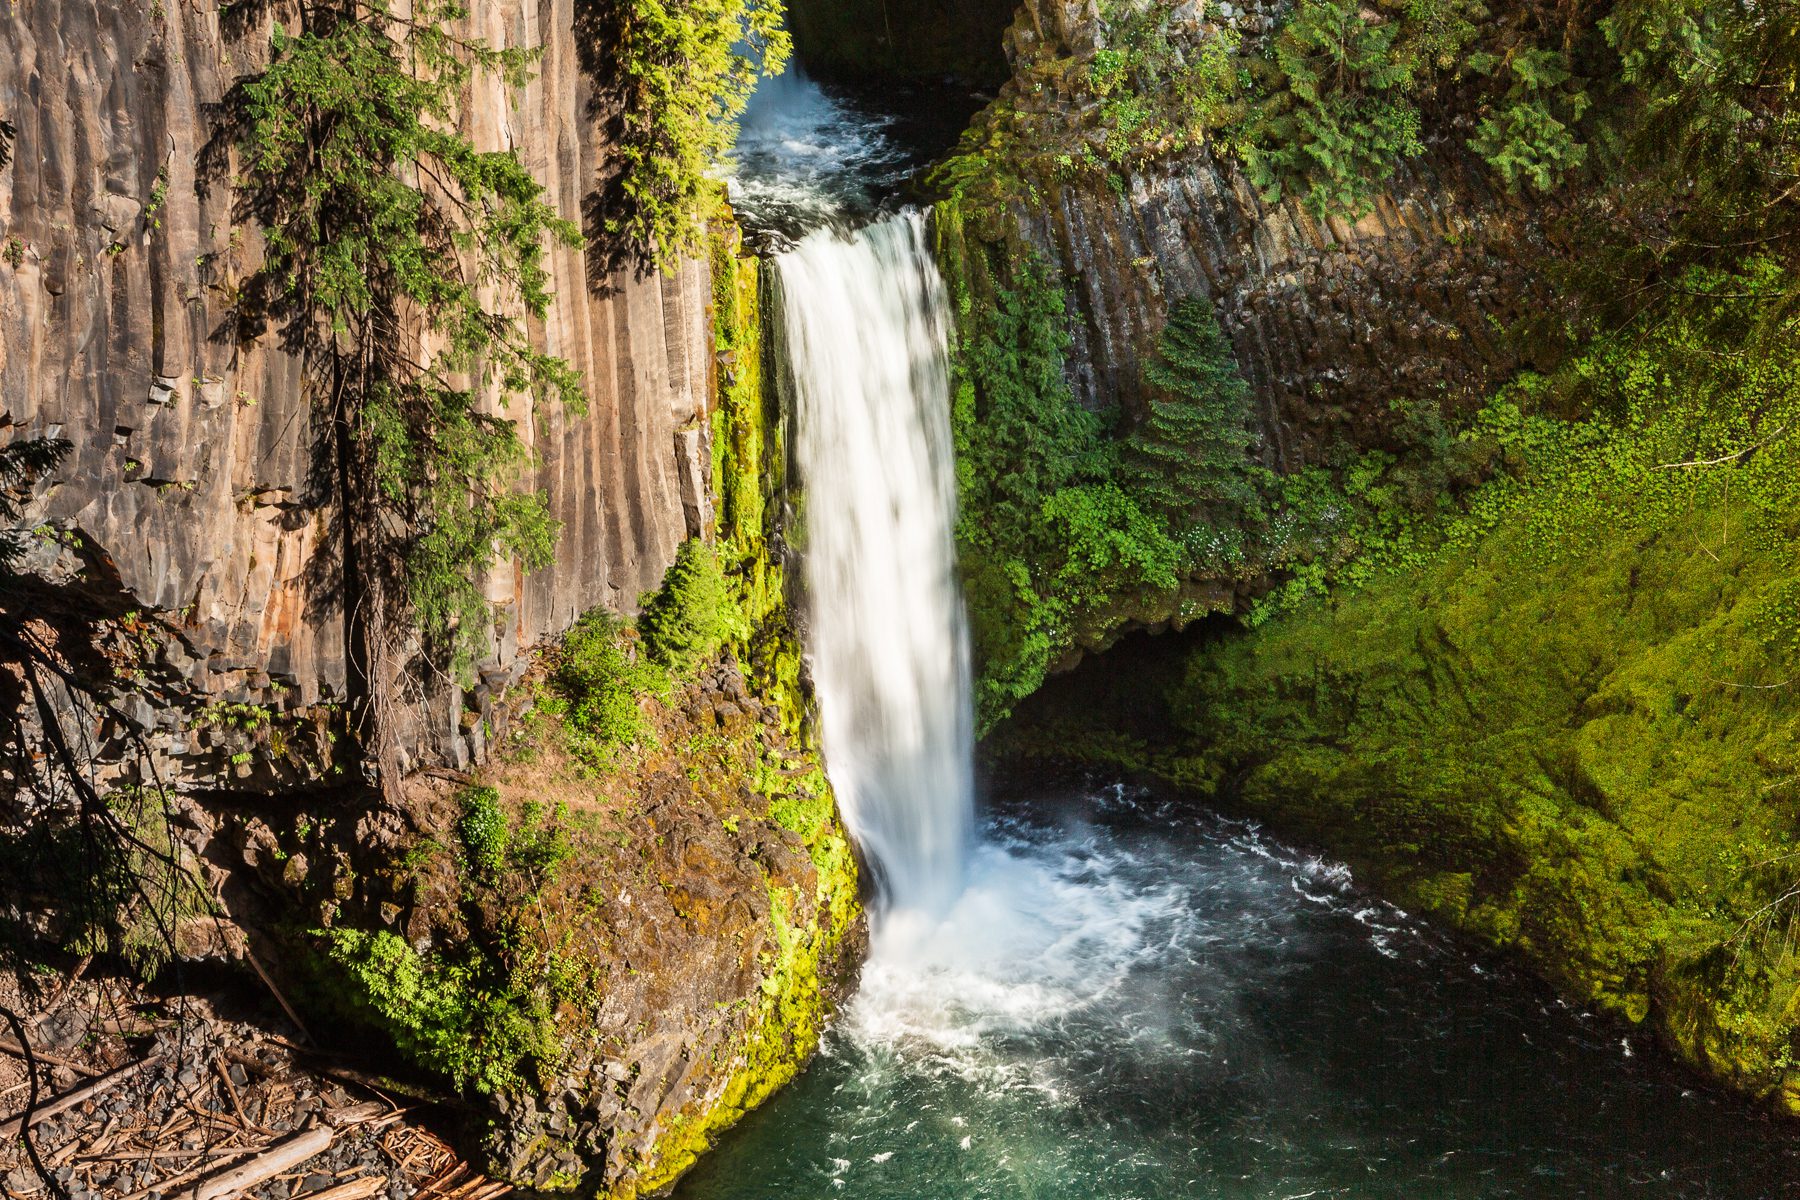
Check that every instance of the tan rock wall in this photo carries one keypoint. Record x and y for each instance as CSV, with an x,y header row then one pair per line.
x,y
193,462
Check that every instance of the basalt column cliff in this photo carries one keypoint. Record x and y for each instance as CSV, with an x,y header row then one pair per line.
x,y
387,404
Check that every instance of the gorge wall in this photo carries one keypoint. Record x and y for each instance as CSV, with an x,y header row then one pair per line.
x,y
649,938
1330,318
921,40
1550,703
194,473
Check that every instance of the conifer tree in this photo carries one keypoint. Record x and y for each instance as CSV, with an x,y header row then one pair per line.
x,y
1186,459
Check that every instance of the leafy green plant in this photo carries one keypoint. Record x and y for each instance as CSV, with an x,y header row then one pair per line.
x,y
1531,138
595,684
1156,96
455,1012
482,831
1338,109
159,196
479,1010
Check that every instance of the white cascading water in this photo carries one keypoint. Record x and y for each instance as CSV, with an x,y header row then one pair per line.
x,y
866,320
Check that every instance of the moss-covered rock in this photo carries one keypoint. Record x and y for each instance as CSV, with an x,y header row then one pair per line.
x,y
628,928
1574,740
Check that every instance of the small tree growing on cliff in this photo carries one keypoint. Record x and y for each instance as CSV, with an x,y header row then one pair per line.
x,y
692,616
1187,459
400,258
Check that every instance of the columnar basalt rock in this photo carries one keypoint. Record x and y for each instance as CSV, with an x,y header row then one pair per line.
x,y
1331,320
196,469
188,564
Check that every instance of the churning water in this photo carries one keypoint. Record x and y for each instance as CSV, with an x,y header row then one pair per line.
x,y
1136,1001
808,159
865,321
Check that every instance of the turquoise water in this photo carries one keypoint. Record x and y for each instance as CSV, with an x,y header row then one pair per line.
x,y
1137,1000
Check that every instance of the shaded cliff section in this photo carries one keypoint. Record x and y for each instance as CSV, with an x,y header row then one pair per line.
x,y
1435,292
196,482
858,41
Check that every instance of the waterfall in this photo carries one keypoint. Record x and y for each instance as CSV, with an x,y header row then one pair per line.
x,y
866,322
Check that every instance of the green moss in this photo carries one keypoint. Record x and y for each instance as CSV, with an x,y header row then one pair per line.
x,y
1567,723
790,1014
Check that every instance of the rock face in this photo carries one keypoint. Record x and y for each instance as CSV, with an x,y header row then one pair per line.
x,y
193,471
704,912
701,915
902,39
1330,320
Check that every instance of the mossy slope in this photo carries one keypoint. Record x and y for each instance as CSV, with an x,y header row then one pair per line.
x,y
1577,746
629,927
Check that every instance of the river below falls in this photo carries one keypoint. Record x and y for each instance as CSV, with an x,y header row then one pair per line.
x,y
1135,999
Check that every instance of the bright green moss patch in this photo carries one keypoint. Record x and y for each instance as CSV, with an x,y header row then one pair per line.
x,y
1567,720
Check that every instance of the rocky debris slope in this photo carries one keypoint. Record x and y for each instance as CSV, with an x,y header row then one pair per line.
x,y
172,1096
660,941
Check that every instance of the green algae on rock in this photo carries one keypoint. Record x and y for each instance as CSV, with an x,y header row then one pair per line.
x,y
628,935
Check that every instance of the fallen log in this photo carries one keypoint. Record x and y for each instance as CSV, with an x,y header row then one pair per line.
x,y
356,1189
20,1122
284,1155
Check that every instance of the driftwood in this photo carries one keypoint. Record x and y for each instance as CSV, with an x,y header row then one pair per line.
x,y
355,1189
15,1125
284,1155
461,1182
55,1060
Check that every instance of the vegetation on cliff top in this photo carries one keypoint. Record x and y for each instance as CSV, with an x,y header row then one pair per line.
x,y
1073,523
1067,533
1327,106
686,68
